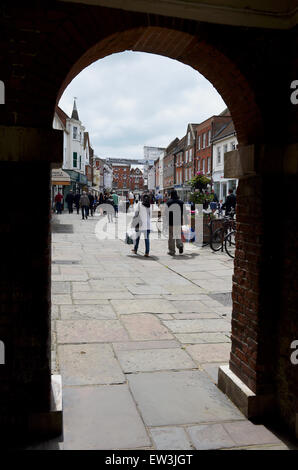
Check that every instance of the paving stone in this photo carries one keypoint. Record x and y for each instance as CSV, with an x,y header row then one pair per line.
x,y
102,417
143,306
134,345
154,359
90,331
210,436
210,352
80,286
191,306
143,327
61,299
89,364
164,316
170,438
88,312
55,312
184,397
212,370
60,287
105,295
196,326
246,433
194,316
198,338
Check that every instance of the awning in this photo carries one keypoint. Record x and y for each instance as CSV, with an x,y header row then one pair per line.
x,y
60,178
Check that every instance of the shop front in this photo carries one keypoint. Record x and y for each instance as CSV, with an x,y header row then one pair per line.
x,y
60,182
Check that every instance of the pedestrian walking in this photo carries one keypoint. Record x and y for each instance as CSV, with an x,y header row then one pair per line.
x,y
116,202
77,198
69,201
174,218
110,207
142,223
84,203
230,203
58,203
91,205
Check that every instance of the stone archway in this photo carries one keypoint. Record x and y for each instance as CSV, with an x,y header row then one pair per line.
x,y
37,64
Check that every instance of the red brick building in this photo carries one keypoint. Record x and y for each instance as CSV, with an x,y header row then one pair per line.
x,y
121,177
189,152
205,131
136,180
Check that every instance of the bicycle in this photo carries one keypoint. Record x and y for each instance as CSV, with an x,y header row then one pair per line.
x,y
230,243
217,238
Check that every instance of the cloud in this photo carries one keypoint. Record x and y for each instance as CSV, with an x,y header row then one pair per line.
x,y
132,99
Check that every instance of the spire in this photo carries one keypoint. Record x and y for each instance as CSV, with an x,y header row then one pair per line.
x,y
75,114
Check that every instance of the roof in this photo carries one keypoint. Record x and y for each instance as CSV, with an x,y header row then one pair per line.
x,y
61,115
226,130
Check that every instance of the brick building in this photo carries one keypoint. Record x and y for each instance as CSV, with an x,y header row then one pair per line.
x,y
179,167
121,177
136,183
169,166
205,131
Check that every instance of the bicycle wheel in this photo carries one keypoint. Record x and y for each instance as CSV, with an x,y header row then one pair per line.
x,y
216,240
230,244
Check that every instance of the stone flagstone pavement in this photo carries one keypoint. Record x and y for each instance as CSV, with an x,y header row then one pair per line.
x,y
138,342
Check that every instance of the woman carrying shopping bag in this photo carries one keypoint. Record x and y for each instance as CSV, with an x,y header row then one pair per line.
x,y
142,223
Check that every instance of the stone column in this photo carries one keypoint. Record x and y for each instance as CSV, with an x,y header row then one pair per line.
x,y
25,324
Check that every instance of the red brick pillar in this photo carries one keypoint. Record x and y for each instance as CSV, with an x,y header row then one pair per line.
x,y
261,379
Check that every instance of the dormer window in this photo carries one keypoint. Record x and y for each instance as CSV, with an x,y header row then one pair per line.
x,y
75,132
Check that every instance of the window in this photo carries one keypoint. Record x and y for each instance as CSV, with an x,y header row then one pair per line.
x,y
225,148
186,156
188,138
204,140
80,162
190,154
199,142
204,169
185,174
74,132
75,159
189,173
209,166
209,138
218,155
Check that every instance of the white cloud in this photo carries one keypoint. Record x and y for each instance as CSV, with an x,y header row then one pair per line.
x,y
132,99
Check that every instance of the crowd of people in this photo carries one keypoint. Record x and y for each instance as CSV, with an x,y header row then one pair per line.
x,y
108,203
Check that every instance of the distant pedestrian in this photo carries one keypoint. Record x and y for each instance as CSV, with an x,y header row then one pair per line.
x,y
230,203
69,201
110,209
142,223
84,203
131,198
58,203
77,198
91,201
174,217
116,202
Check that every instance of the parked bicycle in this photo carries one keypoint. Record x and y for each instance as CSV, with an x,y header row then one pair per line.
x,y
217,240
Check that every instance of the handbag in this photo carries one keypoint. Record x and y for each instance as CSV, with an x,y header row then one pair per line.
x,y
135,223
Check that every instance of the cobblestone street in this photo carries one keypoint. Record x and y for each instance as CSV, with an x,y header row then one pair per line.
x,y
138,342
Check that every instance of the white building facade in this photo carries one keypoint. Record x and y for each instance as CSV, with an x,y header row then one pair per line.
x,y
224,141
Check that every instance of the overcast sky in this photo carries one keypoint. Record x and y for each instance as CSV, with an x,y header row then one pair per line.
x,y
132,99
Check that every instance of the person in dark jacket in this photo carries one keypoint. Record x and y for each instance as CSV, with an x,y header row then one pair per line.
x,y
84,203
77,202
69,201
91,206
174,219
230,203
